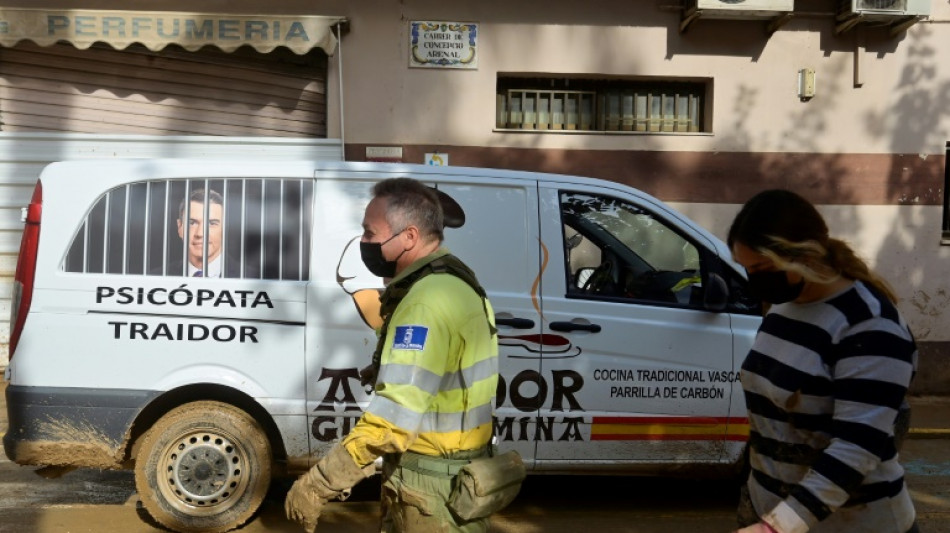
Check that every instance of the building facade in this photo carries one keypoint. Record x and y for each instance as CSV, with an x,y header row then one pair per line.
x,y
700,104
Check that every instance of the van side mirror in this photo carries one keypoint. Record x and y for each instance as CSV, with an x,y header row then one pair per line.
x,y
716,295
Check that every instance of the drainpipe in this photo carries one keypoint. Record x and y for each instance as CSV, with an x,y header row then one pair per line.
x,y
339,68
945,237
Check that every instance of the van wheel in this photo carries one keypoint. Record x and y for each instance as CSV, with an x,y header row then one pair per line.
x,y
204,466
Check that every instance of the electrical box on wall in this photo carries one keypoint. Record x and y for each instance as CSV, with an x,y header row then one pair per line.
x,y
806,84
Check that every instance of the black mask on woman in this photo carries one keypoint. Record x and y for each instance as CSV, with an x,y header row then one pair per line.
x,y
372,255
773,286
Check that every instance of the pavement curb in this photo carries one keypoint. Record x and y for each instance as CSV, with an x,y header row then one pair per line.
x,y
928,433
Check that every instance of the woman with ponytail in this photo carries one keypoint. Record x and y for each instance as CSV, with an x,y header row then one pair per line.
x,y
825,381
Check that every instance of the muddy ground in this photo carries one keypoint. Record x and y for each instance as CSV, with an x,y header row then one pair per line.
x,y
97,501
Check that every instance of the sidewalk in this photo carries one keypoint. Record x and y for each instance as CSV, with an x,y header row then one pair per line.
x,y
929,417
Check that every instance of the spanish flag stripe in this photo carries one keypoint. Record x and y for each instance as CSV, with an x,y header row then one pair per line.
x,y
669,428
669,420
658,429
656,437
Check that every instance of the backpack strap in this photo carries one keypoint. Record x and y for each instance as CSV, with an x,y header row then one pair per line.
x,y
395,292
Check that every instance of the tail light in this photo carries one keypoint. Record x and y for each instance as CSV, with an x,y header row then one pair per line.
x,y
26,267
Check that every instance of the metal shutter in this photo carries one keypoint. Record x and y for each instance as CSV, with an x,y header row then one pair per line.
x,y
172,92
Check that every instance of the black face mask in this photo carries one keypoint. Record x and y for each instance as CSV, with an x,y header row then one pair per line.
x,y
372,255
774,287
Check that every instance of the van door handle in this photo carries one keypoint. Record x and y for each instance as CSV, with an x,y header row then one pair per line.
x,y
573,326
517,323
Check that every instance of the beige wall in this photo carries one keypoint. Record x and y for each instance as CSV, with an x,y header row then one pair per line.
x,y
897,109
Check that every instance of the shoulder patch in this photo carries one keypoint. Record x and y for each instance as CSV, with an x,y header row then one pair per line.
x,y
410,337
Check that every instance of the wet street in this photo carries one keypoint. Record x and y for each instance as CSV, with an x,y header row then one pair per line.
x,y
106,502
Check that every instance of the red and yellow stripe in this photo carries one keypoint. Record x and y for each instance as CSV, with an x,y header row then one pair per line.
x,y
669,428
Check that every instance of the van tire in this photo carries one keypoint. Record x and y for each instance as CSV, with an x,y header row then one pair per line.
x,y
205,466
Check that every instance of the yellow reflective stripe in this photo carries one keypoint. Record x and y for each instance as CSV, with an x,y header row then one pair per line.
x,y
456,400
398,374
433,420
395,413
437,422
472,373
409,374
416,401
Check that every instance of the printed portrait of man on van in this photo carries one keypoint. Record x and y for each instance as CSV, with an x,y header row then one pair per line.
x,y
234,228
203,241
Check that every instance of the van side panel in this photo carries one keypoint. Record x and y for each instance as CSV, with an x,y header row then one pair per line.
x,y
600,370
70,426
104,324
501,242
653,373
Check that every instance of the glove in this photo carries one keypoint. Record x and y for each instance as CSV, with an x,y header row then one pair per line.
x,y
332,477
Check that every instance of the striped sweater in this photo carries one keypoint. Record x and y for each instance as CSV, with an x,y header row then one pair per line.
x,y
823,385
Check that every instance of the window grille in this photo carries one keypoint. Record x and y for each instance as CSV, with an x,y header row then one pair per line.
x,y
600,105
255,228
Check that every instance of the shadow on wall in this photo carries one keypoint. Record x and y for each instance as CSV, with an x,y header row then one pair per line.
x,y
909,255
915,237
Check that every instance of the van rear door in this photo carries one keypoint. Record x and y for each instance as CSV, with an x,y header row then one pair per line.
x,y
650,373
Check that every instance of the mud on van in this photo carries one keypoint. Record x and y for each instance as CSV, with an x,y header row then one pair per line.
x,y
203,322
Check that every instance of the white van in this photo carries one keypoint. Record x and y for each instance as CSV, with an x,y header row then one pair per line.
x,y
622,324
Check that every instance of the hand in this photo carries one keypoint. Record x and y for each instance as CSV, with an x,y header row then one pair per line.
x,y
331,478
761,527
368,375
303,505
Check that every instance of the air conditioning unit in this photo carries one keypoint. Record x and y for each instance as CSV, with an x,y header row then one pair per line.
x,y
883,9
897,14
742,9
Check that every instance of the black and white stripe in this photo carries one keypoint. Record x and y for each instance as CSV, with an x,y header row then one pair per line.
x,y
823,383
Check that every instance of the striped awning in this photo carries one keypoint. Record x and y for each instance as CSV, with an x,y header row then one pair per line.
x,y
158,29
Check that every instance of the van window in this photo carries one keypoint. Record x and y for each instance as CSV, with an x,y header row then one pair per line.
x,y
255,228
615,249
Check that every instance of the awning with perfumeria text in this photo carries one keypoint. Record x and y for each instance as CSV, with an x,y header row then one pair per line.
x,y
158,29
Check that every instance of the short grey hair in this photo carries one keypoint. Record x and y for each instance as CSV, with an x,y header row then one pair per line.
x,y
409,202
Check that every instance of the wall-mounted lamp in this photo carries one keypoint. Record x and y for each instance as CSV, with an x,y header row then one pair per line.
x,y
806,84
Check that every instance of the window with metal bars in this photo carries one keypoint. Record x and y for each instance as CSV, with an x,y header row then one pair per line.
x,y
232,228
613,105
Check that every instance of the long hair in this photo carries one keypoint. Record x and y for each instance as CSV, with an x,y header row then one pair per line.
x,y
410,202
788,229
